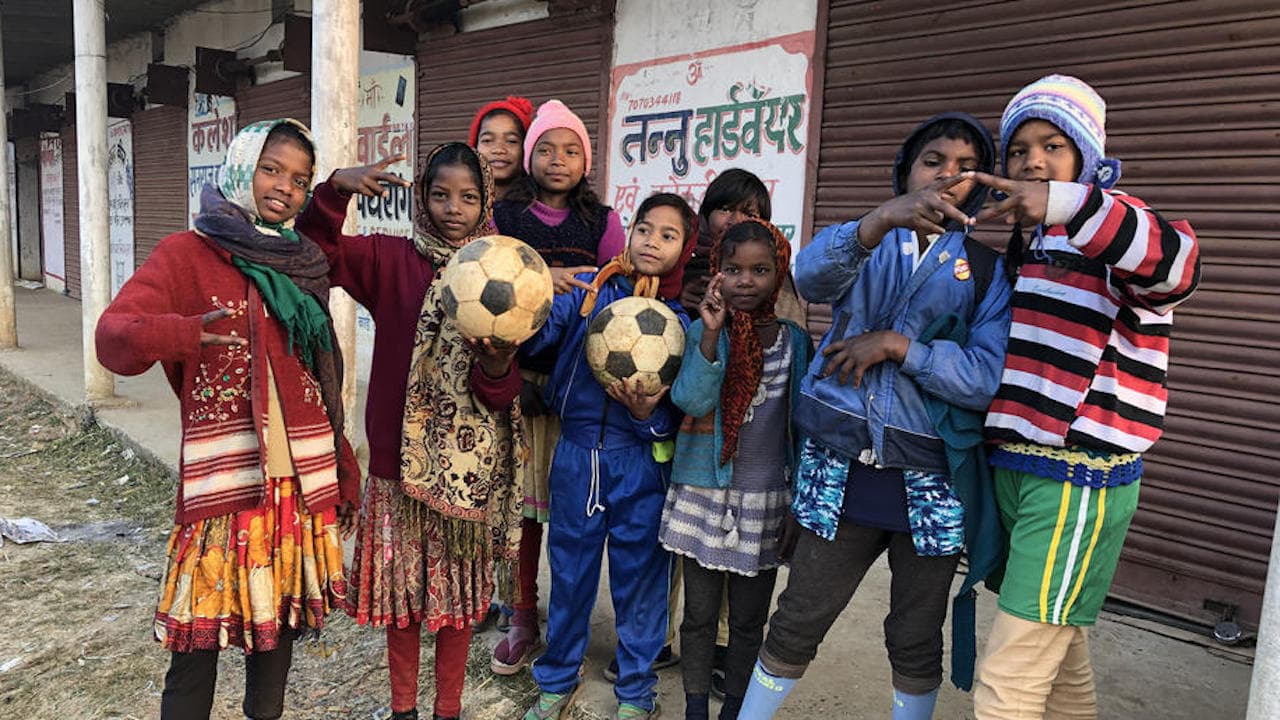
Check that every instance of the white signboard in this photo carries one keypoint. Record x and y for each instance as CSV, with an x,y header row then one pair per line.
x,y
211,125
676,123
386,130
120,200
13,209
51,221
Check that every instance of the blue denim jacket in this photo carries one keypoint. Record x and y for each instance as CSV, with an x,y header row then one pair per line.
x,y
885,420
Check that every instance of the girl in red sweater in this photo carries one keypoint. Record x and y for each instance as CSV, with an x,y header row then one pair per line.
x,y
437,513
235,313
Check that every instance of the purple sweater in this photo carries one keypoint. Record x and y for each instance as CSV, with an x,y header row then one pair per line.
x,y
386,274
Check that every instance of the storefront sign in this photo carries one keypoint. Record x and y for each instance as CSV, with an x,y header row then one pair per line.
x,y
211,127
676,123
51,212
120,200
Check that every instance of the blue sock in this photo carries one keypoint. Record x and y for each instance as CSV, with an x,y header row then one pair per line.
x,y
914,707
765,693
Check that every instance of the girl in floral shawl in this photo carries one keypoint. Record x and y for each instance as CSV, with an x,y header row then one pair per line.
x,y
442,505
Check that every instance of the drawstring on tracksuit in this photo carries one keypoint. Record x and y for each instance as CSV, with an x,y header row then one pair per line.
x,y
594,496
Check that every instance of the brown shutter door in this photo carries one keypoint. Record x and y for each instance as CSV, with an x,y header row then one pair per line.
x,y
1191,90
71,210
290,97
459,73
160,174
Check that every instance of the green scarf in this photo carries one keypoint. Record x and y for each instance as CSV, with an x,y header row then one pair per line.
x,y
304,318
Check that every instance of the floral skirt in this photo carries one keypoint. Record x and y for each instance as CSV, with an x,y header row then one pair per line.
x,y
543,432
400,573
238,579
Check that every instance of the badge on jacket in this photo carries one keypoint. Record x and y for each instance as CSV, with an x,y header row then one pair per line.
x,y
961,269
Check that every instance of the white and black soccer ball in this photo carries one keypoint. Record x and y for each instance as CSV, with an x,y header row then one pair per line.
x,y
497,287
637,338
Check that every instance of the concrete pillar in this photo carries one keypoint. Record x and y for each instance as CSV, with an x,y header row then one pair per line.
x,y
335,80
91,148
1264,689
8,313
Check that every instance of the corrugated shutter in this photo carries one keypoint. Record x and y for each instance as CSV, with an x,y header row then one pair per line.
x,y
290,97
1192,89
459,73
71,210
159,138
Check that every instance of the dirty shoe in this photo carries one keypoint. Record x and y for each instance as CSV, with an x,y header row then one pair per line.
x,y
521,645
552,706
627,711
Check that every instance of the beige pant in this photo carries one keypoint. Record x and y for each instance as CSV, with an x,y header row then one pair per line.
x,y
1035,670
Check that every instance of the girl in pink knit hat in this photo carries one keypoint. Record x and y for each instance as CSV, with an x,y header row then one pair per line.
x,y
555,211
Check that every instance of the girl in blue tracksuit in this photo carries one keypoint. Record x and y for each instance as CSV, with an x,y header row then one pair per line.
x,y
607,482
873,472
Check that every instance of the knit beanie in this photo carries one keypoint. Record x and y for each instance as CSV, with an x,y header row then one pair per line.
x,y
1075,109
518,106
554,114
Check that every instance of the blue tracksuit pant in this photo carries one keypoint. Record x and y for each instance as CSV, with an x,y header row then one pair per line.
x,y
598,495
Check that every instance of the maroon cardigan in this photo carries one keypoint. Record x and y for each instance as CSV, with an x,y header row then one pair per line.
x,y
389,278
157,318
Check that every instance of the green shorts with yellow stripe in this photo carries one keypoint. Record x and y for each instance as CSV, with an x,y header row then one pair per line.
x,y
1064,545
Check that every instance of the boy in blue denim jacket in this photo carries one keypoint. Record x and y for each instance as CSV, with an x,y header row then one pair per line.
x,y
873,472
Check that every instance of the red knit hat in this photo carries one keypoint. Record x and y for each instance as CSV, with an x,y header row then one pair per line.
x,y
518,106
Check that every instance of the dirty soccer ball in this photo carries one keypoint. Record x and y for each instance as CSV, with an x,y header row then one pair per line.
x,y
497,287
638,338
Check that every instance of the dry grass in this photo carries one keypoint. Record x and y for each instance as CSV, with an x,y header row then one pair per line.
x,y
75,637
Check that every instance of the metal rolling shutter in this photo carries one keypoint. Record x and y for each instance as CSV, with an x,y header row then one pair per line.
x,y
160,171
71,210
459,73
1191,89
290,97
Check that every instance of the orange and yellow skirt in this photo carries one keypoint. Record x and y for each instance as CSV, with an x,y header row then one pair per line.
x,y
238,579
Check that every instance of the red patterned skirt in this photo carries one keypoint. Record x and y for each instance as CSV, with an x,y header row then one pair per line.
x,y
400,573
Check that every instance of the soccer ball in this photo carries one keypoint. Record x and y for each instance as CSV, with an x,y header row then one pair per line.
x,y
497,287
638,338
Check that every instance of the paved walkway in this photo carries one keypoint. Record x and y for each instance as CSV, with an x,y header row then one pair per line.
x,y
1143,673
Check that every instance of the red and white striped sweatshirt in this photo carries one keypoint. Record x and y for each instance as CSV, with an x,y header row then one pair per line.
x,y
1092,308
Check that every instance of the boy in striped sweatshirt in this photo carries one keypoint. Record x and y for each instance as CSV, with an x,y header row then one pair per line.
x,y
1082,394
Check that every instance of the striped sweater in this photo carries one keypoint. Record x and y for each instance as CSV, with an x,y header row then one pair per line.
x,y
1092,309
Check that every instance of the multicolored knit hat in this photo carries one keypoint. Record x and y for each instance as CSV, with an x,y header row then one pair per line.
x,y
519,107
1075,109
554,114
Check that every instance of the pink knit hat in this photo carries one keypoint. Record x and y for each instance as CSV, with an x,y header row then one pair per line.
x,y
551,115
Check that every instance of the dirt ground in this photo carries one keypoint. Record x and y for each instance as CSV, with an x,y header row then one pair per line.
x,y
75,633
75,617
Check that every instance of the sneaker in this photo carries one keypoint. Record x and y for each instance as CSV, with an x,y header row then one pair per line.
x,y
552,706
666,658
717,683
627,711
489,620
